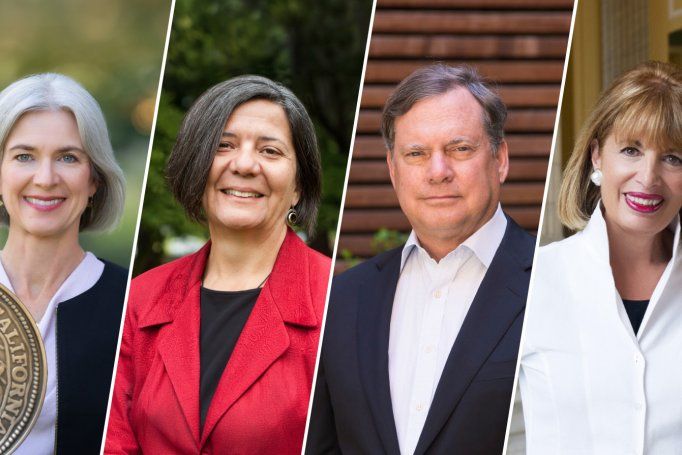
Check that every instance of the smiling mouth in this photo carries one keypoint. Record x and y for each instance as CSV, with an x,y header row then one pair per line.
x,y
241,194
644,203
44,203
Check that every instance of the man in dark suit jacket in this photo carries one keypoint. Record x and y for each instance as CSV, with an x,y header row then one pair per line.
x,y
421,343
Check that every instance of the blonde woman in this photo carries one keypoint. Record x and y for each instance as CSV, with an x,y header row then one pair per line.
x,y
602,355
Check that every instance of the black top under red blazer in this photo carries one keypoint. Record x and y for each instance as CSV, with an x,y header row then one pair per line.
x,y
352,411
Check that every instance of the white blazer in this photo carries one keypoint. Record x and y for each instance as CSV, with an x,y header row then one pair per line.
x,y
589,385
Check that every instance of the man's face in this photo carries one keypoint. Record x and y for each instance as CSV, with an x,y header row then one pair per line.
x,y
443,169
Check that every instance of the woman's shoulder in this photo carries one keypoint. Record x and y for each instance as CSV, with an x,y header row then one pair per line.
x,y
295,250
318,261
319,266
112,283
151,284
565,248
113,272
556,262
164,271
105,278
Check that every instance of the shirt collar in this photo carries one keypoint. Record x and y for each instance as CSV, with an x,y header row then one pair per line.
x,y
83,277
483,243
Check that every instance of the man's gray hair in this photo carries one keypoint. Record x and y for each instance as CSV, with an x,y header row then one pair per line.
x,y
438,79
56,92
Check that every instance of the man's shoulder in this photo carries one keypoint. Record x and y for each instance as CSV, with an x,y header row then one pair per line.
x,y
519,241
365,269
353,289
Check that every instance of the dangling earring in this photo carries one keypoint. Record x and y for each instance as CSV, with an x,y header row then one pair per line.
x,y
596,177
292,217
90,201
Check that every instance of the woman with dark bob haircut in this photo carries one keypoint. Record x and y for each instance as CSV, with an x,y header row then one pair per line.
x,y
602,357
219,347
59,177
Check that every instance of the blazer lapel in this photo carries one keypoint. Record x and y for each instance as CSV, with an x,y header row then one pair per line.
x,y
499,300
285,299
374,319
178,344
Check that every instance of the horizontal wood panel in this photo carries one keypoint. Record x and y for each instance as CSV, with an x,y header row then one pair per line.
x,y
520,145
375,96
518,44
376,171
530,120
462,22
477,4
467,46
367,196
498,71
355,221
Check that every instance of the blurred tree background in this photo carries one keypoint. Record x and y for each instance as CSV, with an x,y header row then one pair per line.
x,y
114,48
314,48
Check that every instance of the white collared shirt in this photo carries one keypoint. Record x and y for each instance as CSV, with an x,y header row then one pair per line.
x,y
41,439
431,301
589,385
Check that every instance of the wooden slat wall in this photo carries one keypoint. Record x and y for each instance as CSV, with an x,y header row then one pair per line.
x,y
519,44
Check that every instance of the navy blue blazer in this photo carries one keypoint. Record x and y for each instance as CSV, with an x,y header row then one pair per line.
x,y
87,335
352,411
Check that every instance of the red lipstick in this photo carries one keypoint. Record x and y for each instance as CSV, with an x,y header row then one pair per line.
x,y
643,202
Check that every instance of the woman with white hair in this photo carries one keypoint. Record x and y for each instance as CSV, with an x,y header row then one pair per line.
x,y
58,177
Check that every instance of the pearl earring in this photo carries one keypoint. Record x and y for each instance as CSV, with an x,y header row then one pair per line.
x,y
596,177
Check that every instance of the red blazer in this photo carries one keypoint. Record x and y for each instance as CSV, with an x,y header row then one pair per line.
x,y
261,402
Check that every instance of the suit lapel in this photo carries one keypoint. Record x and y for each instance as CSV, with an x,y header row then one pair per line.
x,y
262,341
178,345
374,319
181,358
285,298
499,300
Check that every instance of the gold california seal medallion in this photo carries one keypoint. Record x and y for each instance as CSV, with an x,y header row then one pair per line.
x,y
23,372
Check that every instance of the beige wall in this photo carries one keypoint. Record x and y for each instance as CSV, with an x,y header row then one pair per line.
x,y
665,16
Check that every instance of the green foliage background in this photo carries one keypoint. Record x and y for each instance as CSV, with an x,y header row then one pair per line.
x,y
114,48
315,48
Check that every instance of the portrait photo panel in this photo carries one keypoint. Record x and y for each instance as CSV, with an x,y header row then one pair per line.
x,y
434,256
602,322
78,87
239,222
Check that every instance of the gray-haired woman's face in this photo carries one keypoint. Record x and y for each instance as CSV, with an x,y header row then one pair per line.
x,y
45,176
252,181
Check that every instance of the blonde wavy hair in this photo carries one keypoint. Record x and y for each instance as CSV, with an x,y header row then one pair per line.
x,y
644,103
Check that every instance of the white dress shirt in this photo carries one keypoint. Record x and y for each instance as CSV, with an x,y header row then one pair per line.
x,y
431,301
41,439
589,385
